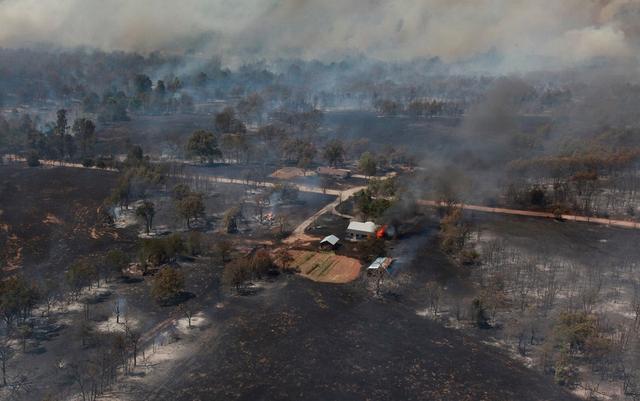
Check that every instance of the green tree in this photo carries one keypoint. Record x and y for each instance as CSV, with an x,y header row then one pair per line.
x,y
17,298
191,207
116,261
369,206
60,130
79,275
135,156
85,132
334,152
227,123
204,145
236,273
160,250
194,244
142,84
167,285
261,263
224,248
368,164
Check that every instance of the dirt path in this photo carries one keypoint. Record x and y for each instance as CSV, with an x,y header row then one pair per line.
x,y
526,213
264,184
298,234
345,194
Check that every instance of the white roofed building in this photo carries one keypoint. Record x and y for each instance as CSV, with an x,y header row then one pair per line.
x,y
330,241
357,231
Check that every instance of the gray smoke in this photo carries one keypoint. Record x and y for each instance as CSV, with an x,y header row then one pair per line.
x,y
516,35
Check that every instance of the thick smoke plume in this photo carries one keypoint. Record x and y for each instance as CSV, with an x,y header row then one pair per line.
x,y
512,35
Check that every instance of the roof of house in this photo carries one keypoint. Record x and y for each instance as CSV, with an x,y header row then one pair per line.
x,y
380,263
366,227
332,239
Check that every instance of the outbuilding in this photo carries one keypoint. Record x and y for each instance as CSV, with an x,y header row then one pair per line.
x,y
329,242
380,263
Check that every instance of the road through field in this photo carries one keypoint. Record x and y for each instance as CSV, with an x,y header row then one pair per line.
x,y
347,193
545,215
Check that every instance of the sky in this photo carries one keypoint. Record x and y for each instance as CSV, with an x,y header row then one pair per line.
x,y
521,34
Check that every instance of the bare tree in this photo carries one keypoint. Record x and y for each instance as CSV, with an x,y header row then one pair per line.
x,y
188,312
434,296
6,353
133,339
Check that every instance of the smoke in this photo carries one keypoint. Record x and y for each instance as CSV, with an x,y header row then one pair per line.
x,y
515,35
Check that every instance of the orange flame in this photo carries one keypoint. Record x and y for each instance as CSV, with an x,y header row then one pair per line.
x,y
381,231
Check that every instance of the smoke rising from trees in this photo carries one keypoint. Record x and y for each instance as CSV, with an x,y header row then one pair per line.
x,y
509,35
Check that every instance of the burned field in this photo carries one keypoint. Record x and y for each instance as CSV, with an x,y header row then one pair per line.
x,y
284,337
52,215
321,342
231,216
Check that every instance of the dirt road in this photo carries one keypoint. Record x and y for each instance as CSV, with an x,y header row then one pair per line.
x,y
264,184
345,194
527,213
298,234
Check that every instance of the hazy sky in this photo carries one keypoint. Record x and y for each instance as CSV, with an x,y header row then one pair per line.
x,y
520,32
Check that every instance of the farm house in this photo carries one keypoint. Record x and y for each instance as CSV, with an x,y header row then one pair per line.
x,y
357,231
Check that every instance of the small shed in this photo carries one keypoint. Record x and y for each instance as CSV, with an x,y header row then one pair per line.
x,y
357,231
329,242
380,263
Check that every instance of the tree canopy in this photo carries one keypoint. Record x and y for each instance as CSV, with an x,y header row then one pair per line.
x,y
204,145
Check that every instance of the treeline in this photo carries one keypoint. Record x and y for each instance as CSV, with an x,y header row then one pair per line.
x,y
38,77
59,140
419,108
598,182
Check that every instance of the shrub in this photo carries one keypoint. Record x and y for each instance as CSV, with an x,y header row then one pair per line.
x,y
167,285
470,257
160,250
33,159
194,245
479,314
236,273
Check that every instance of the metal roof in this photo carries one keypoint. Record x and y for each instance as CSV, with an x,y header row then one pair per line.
x,y
366,227
380,263
332,239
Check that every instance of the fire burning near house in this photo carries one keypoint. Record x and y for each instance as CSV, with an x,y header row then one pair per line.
x,y
229,198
